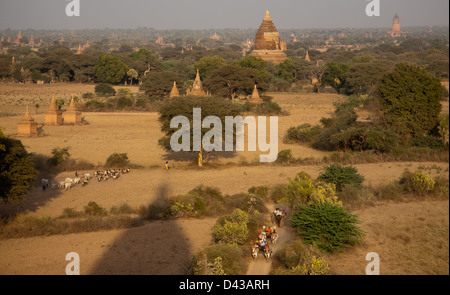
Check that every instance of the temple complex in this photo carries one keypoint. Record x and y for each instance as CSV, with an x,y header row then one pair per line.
x,y
174,92
27,126
72,115
396,32
267,42
53,116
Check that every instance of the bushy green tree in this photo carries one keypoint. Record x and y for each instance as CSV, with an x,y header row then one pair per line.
x,y
230,80
110,69
17,169
161,83
206,65
340,175
410,100
329,226
183,106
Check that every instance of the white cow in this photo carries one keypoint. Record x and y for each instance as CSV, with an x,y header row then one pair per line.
x,y
67,185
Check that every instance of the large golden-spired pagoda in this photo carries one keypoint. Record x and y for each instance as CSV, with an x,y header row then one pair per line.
x,y
53,116
27,126
268,45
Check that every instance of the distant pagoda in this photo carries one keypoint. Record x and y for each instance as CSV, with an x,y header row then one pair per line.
x,y
197,88
53,116
72,116
268,45
255,98
396,32
174,92
27,126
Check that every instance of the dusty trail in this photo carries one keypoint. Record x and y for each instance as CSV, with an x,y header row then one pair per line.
x,y
260,266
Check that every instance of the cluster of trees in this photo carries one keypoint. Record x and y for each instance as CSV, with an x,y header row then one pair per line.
x,y
405,111
347,71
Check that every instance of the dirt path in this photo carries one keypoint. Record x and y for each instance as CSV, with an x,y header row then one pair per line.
x,y
260,266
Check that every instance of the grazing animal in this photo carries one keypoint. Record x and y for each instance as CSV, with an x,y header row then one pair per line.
x,y
87,176
67,185
61,184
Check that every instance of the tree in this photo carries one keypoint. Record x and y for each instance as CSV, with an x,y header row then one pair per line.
x,y
132,74
230,80
363,76
317,73
161,83
145,61
183,106
206,65
110,69
410,100
335,75
17,171
254,63
104,89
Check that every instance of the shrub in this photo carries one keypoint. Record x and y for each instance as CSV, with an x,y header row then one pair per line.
x,y
418,182
230,263
304,133
60,155
232,229
285,157
278,193
94,105
117,160
353,195
329,226
105,89
87,95
267,108
441,187
260,191
339,175
123,102
302,190
390,191
93,208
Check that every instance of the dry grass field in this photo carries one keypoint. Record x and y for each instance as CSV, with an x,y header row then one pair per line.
x,y
411,237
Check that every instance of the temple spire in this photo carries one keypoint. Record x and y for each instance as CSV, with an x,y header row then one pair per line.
x,y
267,17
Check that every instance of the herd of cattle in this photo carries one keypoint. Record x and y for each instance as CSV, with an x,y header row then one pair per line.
x,y
69,182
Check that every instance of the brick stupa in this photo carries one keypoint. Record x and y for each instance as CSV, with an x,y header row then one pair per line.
x,y
197,88
255,98
27,126
174,92
267,42
72,116
53,116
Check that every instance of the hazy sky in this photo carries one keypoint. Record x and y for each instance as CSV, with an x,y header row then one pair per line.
x,y
218,14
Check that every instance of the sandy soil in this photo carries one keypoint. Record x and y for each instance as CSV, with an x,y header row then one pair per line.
x,y
410,238
167,247
157,248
